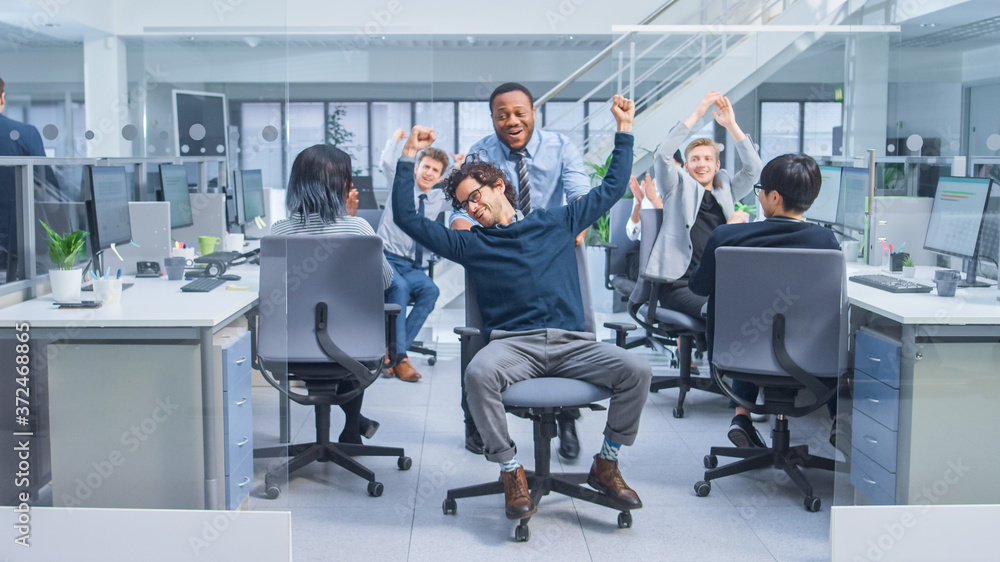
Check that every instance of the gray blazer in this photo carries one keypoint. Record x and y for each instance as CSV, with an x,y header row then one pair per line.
x,y
682,196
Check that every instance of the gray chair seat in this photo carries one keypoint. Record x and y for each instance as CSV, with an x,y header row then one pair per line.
x,y
674,318
553,392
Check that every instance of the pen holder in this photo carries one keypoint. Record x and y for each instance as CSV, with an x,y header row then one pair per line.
x,y
108,291
187,253
896,261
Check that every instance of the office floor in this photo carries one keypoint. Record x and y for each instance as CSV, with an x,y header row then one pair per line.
x,y
751,517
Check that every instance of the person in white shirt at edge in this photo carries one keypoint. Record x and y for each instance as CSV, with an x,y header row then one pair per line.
x,y
546,170
696,200
407,257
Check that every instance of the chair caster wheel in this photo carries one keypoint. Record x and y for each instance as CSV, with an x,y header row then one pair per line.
x,y
678,412
711,461
404,463
812,503
449,506
625,520
702,488
522,533
432,360
375,489
271,491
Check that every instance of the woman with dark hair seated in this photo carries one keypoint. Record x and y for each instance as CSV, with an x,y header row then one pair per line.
x,y
320,200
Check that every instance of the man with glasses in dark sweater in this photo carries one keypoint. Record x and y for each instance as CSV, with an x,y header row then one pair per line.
x,y
524,272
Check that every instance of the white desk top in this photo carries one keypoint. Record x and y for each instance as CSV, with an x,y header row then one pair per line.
x,y
150,303
968,306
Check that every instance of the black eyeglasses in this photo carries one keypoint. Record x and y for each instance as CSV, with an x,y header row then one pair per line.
x,y
756,189
473,198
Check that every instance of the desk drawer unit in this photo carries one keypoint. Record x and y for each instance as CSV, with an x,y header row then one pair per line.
x,y
238,418
875,422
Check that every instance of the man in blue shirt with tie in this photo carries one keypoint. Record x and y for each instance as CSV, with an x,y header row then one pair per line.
x,y
16,139
547,170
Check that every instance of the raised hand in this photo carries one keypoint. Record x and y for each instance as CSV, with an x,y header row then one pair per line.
x,y
398,135
459,159
624,111
725,115
706,102
420,138
352,202
649,186
637,190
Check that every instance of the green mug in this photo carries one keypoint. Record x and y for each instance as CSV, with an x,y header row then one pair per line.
x,y
207,244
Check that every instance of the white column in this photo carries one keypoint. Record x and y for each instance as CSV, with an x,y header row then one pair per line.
x,y
866,93
105,85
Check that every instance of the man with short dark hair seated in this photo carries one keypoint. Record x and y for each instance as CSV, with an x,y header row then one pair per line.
x,y
788,186
524,272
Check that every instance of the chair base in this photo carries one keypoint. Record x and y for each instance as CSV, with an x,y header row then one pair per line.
x,y
780,455
418,347
324,451
541,482
683,381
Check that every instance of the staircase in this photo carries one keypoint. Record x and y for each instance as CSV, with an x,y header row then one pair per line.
x,y
668,73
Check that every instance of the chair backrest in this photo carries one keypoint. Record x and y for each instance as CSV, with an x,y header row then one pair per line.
x,y
617,256
807,287
649,226
297,272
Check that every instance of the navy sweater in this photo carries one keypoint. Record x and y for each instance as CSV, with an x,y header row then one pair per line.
x,y
770,233
525,273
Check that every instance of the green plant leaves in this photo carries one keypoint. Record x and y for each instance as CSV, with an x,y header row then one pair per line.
x,y
63,250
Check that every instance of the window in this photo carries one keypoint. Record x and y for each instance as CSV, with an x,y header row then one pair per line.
x,y
441,116
355,121
474,123
798,127
386,118
261,140
305,129
562,117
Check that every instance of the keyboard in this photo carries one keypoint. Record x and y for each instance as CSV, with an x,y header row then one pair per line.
x,y
890,283
203,285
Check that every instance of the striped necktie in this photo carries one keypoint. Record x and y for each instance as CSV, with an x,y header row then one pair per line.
x,y
524,187
418,254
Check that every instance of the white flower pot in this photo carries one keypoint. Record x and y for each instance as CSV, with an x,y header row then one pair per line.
x,y
909,270
66,284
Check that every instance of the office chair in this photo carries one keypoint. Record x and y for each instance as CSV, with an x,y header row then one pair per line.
x,y
780,323
667,327
541,400
329,332
618,276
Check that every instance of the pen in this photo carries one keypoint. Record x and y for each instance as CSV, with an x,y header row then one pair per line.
x,y
107,274
901,247
119,275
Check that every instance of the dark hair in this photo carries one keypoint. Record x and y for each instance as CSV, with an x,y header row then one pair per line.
x,y
510,87
1,86
795,177
486,173
678,157
316,185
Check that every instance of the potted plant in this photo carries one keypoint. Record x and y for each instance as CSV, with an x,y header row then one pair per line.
x,y
63,251
908,268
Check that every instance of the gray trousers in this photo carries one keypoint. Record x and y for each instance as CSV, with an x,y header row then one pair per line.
x,y
512,357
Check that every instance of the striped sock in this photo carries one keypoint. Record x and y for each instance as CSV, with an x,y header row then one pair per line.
x,y
609,450
510,466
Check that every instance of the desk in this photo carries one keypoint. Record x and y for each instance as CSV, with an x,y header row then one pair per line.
x,y
152,312
927,385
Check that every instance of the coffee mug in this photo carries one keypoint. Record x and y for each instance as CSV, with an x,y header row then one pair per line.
x,y
946,281
175,267
232,243
851,249
207,244
186,253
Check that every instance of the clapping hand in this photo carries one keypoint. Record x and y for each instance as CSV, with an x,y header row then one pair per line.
x,y
420,138
352,202
637,190
649,187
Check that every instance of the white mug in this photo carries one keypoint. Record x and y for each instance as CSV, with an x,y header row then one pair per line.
x,y
183,252
232,243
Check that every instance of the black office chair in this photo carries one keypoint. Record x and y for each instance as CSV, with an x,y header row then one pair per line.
x,y
620,257
667,327
541,400
799,297
323,323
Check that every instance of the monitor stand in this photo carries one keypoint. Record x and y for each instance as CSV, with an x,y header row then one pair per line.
x,y
971,274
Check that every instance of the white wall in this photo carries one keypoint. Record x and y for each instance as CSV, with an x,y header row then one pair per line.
x,y
928,109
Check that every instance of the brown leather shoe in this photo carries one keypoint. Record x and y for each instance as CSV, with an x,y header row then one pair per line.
x,y
606,478
516,496
405,371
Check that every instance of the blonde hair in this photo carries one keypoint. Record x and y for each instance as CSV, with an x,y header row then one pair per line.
x,y
704,141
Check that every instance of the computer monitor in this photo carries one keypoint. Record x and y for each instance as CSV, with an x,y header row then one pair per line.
x,y
366,193
107,209
824,208
174,189
957,219
853,195
989,237
250,198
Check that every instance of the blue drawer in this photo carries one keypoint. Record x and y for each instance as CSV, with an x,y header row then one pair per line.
x,y
875,440
877,400
875,482
238,427
239,483
877,356
236,361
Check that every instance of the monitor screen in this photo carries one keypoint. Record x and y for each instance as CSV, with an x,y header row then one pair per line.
x,y
989,238
252,184
957,216
173,180
109,218
824,208
200,119
854,193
